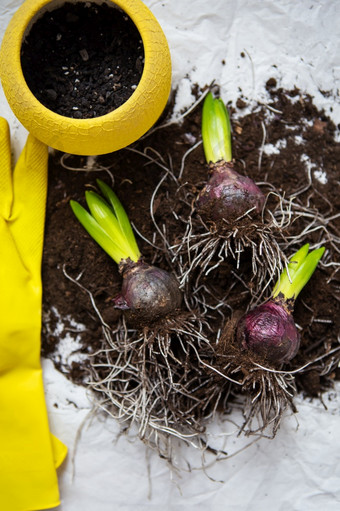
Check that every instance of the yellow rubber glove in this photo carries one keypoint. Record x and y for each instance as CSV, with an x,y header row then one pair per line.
x,y
29,454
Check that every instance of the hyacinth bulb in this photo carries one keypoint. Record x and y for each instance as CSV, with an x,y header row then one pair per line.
x,y
269,331
148,293
229,195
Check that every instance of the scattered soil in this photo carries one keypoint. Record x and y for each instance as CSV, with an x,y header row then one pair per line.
x,y
300,159
83,60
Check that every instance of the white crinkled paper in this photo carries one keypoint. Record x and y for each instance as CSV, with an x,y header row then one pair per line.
x,y
239,44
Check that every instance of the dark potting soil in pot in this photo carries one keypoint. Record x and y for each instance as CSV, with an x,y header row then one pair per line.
x,y
83,60
301,161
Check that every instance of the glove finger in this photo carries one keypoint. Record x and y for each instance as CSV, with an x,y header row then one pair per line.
x,y
30,188
6,192
28,478
59,451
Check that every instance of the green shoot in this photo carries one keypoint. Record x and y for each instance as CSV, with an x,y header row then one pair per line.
x,y
120,213
300,268
216,130
108,224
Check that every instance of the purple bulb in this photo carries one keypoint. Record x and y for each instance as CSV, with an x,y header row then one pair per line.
x,y
148,293
269,330
228,195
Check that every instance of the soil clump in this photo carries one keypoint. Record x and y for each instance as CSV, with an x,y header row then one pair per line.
x,y
287,145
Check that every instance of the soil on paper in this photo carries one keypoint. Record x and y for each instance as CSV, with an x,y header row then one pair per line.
x,y
287,142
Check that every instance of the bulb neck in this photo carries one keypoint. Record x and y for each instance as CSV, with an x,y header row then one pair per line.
x,y
127,265
282,301
223,167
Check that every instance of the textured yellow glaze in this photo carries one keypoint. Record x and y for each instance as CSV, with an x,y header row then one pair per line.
x,y
103,134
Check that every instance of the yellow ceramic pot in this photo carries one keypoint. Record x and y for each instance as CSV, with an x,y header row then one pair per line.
x,y
99,135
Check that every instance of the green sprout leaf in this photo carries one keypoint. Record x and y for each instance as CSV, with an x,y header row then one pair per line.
x,y
105,217
299,270
120,213
216,130
104,226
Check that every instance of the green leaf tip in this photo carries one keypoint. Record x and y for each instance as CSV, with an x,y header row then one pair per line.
x,y
216,130
299,270
108,224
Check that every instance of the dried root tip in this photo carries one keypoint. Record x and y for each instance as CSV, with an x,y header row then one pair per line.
x,y
148,293
228,195
269,398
